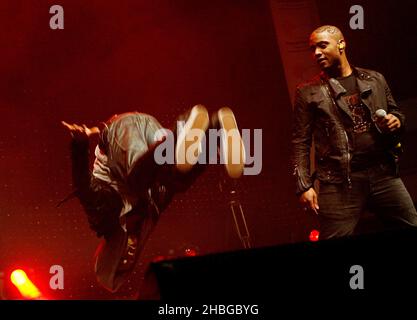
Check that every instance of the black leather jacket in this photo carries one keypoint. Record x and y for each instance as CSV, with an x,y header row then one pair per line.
x,y
320,114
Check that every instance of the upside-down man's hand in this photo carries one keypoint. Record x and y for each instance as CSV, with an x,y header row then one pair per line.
x,y
80,133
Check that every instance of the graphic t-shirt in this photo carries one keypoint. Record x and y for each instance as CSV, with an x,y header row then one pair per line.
x,y
365,151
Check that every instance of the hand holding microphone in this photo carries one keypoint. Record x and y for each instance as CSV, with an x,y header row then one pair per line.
x,y
386,122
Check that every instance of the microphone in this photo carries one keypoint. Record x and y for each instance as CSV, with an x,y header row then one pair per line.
x,y
379,115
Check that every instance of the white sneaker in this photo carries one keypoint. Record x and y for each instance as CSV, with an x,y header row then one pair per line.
x,y
188,147
232,148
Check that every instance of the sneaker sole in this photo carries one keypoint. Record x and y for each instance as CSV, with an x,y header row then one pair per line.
x,y
191,136
232,144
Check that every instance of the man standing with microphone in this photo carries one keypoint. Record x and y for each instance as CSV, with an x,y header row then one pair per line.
x,y
355,123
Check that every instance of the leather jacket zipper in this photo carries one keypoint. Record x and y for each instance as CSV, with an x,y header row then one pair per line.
x,y
348,160
346,137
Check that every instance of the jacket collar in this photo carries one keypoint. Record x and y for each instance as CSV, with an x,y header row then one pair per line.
x,y
362,80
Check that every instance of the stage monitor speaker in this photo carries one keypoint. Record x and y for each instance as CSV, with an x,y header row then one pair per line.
x,y
376,263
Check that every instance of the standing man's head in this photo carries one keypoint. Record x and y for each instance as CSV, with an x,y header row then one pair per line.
x,y
328,48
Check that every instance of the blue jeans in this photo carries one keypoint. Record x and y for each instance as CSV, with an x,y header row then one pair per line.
x,y
377,189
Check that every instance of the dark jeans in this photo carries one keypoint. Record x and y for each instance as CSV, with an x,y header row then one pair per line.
x,y
376,189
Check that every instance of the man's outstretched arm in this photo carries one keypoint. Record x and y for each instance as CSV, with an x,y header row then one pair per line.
x,y
100,202
81,174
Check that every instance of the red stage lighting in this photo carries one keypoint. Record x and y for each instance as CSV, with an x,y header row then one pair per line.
x,y
314,235
25,286
190,252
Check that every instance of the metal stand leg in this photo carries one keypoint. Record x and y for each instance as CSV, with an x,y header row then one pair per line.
x,y
231,188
